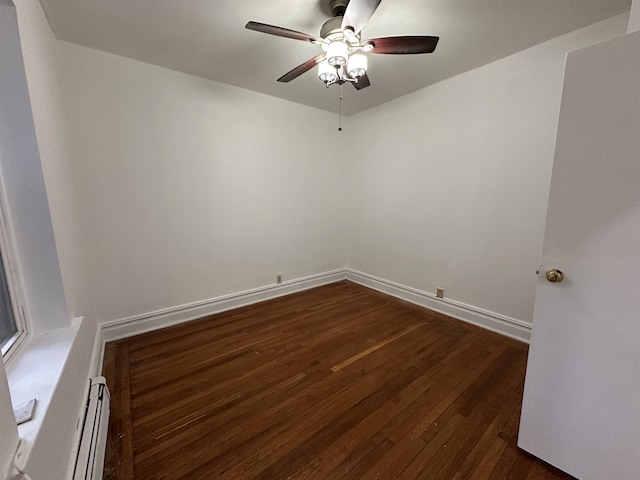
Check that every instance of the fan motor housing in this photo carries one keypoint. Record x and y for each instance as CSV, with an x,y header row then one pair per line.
x,y
333,25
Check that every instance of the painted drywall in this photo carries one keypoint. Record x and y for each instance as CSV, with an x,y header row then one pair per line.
x,y
187,189
40,51
52,451
25,201
9,435
450,188
47,440
634,17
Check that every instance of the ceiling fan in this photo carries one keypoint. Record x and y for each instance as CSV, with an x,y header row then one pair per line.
x,y
343,59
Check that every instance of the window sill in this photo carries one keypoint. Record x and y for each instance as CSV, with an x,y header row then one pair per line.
x,y
34,372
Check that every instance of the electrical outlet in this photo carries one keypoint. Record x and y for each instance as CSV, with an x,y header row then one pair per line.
x,y
440,292
279,279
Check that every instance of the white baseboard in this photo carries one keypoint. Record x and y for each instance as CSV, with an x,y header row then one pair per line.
x,y
510,327
147,322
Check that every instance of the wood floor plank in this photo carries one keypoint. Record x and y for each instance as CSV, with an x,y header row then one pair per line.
x,y
436,448
489,460
329,457
373,348
478,453
452,382
119,451
336,382
330,411
462,442
505,463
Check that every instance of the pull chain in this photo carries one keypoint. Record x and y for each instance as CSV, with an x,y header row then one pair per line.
x,y
340,117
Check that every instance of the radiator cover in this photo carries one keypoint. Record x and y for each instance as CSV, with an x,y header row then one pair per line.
x,y
89,462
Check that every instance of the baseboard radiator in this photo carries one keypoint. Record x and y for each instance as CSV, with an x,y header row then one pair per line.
x,y
89,462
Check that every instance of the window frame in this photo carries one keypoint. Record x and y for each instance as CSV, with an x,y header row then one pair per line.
x,y
12,276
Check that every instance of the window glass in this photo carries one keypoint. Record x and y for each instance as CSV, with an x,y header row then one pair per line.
x,y
8,326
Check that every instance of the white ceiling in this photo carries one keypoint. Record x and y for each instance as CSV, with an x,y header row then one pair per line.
x,y
207,38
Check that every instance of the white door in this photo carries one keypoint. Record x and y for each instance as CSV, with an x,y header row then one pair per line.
x,y
581,407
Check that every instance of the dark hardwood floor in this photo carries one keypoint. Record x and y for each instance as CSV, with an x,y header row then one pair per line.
x,y
338,382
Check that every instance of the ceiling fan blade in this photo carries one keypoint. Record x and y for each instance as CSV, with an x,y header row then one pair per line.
x,y
281,32
300,69
358,13
363,82
403,45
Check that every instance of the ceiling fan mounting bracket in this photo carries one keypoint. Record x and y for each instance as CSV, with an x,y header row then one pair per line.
x,y
338,7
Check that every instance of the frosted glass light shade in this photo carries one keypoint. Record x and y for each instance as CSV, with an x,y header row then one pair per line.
x,y
327,73
337,53
357,65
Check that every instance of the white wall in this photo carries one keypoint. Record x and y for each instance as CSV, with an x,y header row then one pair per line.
x,y
40,51
188,189
30,229
29,226
164,189
452,184
168,188
8,430
53,447
634,17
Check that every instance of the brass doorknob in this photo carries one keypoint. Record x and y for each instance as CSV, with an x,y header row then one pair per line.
x,y
554,275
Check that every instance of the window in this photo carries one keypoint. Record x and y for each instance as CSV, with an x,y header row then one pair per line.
x,y
8,326
11,320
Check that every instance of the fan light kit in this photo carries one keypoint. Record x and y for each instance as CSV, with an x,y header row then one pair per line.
x,y
344,57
